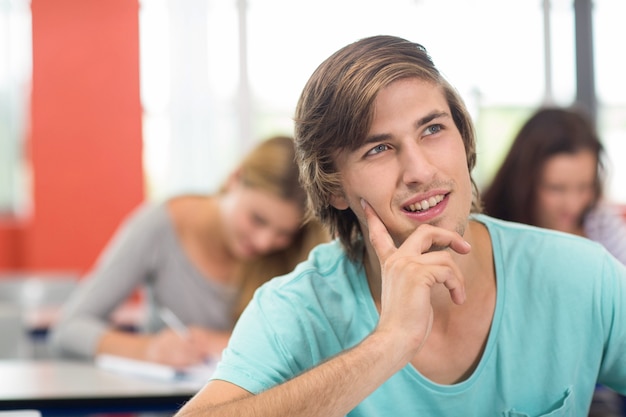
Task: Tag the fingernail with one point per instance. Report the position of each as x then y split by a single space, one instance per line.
363 203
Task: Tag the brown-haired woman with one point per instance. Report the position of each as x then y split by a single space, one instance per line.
553 177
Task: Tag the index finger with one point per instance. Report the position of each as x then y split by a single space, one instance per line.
429 238
379 236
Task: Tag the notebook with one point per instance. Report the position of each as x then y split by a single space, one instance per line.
197 373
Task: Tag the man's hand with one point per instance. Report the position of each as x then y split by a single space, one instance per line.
410 272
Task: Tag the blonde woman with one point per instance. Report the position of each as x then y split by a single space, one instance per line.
198 256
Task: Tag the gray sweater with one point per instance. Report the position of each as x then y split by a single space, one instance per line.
144 253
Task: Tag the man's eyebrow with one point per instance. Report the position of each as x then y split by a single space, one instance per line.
435 114
430 117
375 138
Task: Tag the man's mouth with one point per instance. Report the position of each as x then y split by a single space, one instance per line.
425 204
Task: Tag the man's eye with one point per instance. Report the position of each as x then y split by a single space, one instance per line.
377 149
432 129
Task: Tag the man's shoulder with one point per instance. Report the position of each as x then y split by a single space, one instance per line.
520 243
515 231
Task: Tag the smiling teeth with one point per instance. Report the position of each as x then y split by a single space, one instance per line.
425 204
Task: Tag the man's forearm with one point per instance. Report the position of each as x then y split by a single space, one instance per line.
331 389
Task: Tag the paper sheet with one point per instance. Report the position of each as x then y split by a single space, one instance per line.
196 374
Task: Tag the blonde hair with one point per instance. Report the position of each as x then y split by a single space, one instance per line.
271 167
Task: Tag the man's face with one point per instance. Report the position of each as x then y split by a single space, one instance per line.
412 167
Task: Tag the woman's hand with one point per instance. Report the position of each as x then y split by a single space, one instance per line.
170 348
210 342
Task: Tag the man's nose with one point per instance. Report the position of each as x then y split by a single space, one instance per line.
416 164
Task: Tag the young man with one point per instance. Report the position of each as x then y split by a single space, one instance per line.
423 307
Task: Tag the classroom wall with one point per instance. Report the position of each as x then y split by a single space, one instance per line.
85 144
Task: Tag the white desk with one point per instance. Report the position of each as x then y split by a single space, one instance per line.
58 388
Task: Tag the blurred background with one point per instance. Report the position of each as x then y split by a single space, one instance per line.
105 104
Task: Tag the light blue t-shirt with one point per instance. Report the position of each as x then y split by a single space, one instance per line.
559 326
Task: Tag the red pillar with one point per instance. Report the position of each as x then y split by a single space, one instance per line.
85 145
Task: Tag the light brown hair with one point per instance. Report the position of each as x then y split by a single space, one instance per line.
335 111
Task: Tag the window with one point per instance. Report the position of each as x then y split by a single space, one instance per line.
609 29
235 70
15 76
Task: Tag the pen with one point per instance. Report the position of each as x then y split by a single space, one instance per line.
173 322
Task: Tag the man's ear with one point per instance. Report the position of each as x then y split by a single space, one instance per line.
339 202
